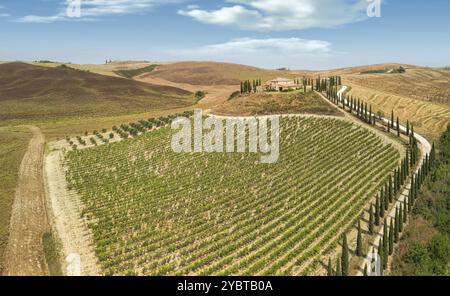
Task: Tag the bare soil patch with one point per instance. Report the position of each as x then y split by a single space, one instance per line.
24 254
72 230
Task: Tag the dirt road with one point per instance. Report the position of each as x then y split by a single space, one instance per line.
24 252
425 147
66 207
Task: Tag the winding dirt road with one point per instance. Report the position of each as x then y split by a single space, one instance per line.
25 253
425 148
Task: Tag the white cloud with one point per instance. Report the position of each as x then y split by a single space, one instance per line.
269 53
4 14
92 9
277 15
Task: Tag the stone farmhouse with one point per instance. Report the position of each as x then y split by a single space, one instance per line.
281 84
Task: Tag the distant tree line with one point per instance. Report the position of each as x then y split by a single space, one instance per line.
248 86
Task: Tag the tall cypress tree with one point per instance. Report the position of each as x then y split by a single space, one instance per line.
410 200
345 256
371 220
377 211
365 270
359 251
382 201
391 237
398 127
385 241
396 226
390 190
400 219
386 197
392 119
381 252
405 211
338 267
330 268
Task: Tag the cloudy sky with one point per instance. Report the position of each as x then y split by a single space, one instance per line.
299 34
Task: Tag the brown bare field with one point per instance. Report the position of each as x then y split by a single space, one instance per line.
30 92
211 73
102 69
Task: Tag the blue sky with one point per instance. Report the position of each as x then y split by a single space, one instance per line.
299 34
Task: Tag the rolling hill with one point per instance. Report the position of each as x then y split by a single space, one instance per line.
29 92
212 73
420 95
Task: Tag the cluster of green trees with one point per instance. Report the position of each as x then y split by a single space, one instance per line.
392 232
432 257
248 86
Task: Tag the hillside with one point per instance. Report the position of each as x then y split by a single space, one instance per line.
109 69
212 73
156 212
276 103
420 95
42 93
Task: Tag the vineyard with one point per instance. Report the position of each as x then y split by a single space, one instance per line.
155 212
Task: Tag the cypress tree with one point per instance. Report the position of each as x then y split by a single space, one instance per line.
381 252
410 200
405 210
371 220
365 270
390 190
400 219
396 226
330 268
392 119
395 181
345 256
391 237
382 201
407 127
398 127
386 198
365 112
385 241
338 267
359 251
377 211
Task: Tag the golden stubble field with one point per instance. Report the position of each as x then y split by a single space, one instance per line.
421 95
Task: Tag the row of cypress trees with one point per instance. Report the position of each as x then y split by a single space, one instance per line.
393 227
391 233
389 190
249 87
